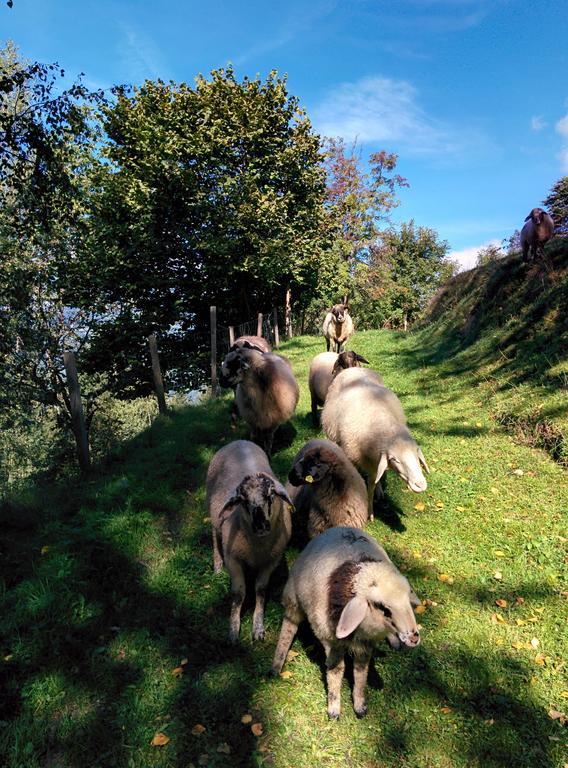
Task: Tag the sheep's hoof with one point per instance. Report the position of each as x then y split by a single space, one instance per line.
333 715
258 634
361 712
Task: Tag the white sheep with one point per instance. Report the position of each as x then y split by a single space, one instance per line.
353 597
538 229
250 514
325 488
366 419
323 369
267 392
337 327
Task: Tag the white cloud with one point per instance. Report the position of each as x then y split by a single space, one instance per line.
141 56
562 129
467 257
537 123
380 109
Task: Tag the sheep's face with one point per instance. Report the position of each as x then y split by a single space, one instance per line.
260 500
406 458
339 311
312 467
382 607
347 360
232 368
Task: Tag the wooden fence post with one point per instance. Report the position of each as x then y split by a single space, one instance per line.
231 335
276 332
259 325
213 314
288 314
77 415
157 374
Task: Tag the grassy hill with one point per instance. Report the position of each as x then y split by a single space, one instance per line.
114 626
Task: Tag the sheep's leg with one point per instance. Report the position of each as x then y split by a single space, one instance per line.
260 591
287 635
238 588
314 410
360 672
327 343
371 485
335 664
217 552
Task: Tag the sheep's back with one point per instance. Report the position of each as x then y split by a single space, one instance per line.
320 376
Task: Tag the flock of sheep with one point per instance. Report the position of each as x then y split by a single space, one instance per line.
343 582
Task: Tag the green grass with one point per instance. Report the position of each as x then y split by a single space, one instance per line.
108 588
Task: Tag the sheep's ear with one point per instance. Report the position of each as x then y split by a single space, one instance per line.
381 469
351 616
280 491
236 498
414 599
360 358
247 345
423 460
529 216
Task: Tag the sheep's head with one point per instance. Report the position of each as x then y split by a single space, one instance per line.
347 360
257 496
536 216
312 466
379 603
236 363
405 457
339 311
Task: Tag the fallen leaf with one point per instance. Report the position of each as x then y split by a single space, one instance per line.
440 504
494 490
225 749
286 675
539 610
500 553
206 519
246 719
518 645
460 509
520 622
564 694
519 600
501 602
420 609
292 655
160 739
45 550
198 729
177 672
445 577
539 659
445 710
498 575
534 642
9 657
417 555
257 729
478 424
554 714
420 506
497 618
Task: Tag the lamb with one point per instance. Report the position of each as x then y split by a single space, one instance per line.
267 392
329 491
366 419
353 597
323 369
538 230
337 327
250 513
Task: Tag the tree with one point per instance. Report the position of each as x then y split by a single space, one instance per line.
405 269
46 141
210 195
557 204
491 252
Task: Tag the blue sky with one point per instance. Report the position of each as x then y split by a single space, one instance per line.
471 94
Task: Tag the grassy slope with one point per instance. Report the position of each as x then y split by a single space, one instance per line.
109 588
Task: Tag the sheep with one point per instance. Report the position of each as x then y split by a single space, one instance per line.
250 514
267 392
366 419
323 369
538 229
353 596
252 342
337 326
329 491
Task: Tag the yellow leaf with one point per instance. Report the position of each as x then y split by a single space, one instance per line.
440 504
292 655
446 578
420 506
500 553
539 659
519 600
460 509
309 479
417 555
518 645
257 729
478 424
497 618
501 602
246 719
494 491
206 519
498 575
539 610
445 710
177 672
520 622
183 662
198 729
564 694
420 609
160 739
9 657
44 550
286 675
